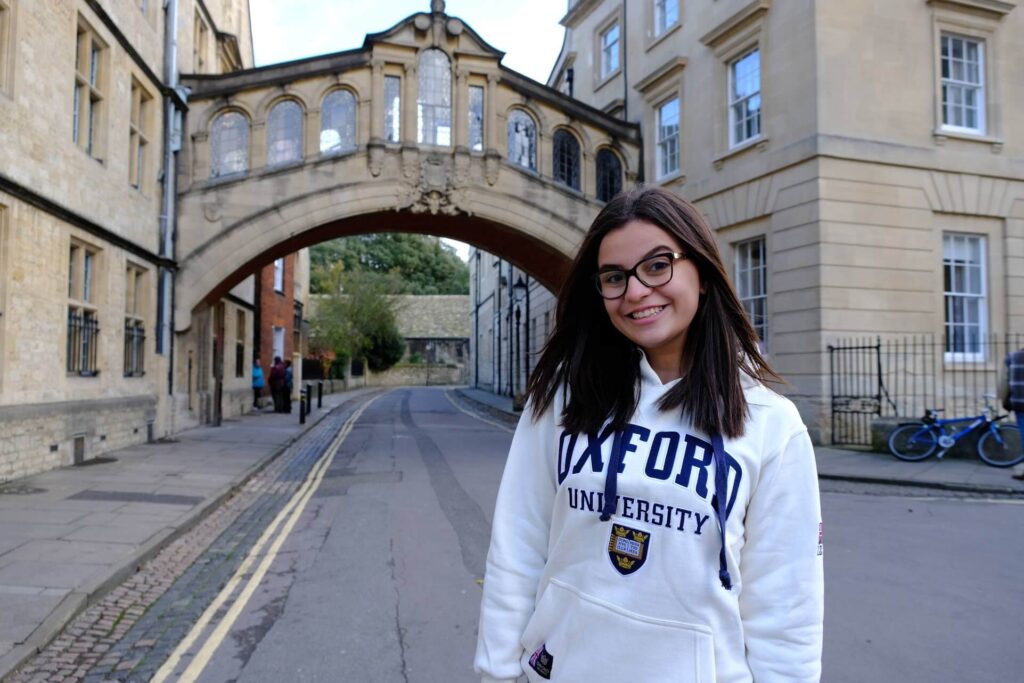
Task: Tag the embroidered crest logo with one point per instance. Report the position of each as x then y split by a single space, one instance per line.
541 661
627 548
821 535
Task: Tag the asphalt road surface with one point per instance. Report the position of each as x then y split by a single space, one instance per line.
373 573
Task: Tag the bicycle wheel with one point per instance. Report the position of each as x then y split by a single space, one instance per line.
912 442
1004 451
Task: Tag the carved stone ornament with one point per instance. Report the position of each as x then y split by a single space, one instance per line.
435 192
211 212
492 164
375 158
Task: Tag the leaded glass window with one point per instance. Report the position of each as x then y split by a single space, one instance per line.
522 140
566 158
229 145
745 98
434 103
609 175
284 133
338 123
476 118
963 83
393 108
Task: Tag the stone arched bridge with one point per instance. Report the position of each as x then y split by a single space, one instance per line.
421 129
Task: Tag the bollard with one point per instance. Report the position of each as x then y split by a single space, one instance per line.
309 399
320 394
302 410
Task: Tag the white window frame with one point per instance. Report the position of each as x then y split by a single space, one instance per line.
611 52
277 340
747 273
734 141
664 142
662 14
279 275
950 83
954 246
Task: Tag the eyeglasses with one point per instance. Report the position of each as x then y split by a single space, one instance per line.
653 271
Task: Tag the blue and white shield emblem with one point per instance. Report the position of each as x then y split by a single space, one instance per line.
627 548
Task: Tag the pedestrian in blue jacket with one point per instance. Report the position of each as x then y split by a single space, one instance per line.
257 382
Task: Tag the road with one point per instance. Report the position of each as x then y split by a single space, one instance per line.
360 560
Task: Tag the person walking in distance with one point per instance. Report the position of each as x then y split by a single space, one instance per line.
277 384
658 518
258 382
1011 391
289 379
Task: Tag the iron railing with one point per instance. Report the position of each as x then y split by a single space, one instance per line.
82 342
902 376
134 349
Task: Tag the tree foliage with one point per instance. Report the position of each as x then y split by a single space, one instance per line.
421 264
355 318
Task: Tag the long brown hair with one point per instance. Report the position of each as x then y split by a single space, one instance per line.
599 368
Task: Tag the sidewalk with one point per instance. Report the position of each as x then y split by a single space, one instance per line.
951 474
68 536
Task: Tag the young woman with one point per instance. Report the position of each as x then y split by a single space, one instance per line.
658 519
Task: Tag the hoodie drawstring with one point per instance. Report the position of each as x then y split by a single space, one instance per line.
721 505
719 500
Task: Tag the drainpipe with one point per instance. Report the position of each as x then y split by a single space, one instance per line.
168 218
476 324
625 72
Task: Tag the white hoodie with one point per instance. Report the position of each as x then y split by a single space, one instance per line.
638 599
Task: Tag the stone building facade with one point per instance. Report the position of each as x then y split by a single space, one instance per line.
87 107
861 163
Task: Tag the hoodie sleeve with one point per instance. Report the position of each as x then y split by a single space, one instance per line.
782 599
519 547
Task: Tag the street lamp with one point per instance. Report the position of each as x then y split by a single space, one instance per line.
519 292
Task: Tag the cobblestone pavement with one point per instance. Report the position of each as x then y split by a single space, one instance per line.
130 632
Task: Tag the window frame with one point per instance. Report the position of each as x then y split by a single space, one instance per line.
981 87
7 41
279 268
662 28
82 352
604 153
200 43
659 141
477 120
135 309
744 269
436 112
140 117
731 103
565 170
393 110
606 68
949 296
285 135
89 101
518 112
215 172
343 146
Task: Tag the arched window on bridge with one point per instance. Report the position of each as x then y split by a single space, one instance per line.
229 144
522 140
284 133
338 123
434 102
609 175
566 159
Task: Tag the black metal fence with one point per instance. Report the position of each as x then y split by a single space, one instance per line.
83 335
901 377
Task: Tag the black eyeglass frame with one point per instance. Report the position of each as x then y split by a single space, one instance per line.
634 272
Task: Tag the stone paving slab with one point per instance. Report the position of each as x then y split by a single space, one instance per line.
163 490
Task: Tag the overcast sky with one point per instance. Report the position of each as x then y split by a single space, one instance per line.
527 31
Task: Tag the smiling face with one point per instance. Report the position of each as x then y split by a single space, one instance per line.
654 318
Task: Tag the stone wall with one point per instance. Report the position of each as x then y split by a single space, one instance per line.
42 436
417 375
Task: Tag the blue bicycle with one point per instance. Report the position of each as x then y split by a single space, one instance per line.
999 445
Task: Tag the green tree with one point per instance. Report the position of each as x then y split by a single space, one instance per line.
422 264
355 318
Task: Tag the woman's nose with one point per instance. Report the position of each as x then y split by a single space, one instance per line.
636 289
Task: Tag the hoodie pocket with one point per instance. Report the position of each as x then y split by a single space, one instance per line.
574 637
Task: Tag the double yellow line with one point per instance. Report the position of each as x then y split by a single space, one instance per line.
284 521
